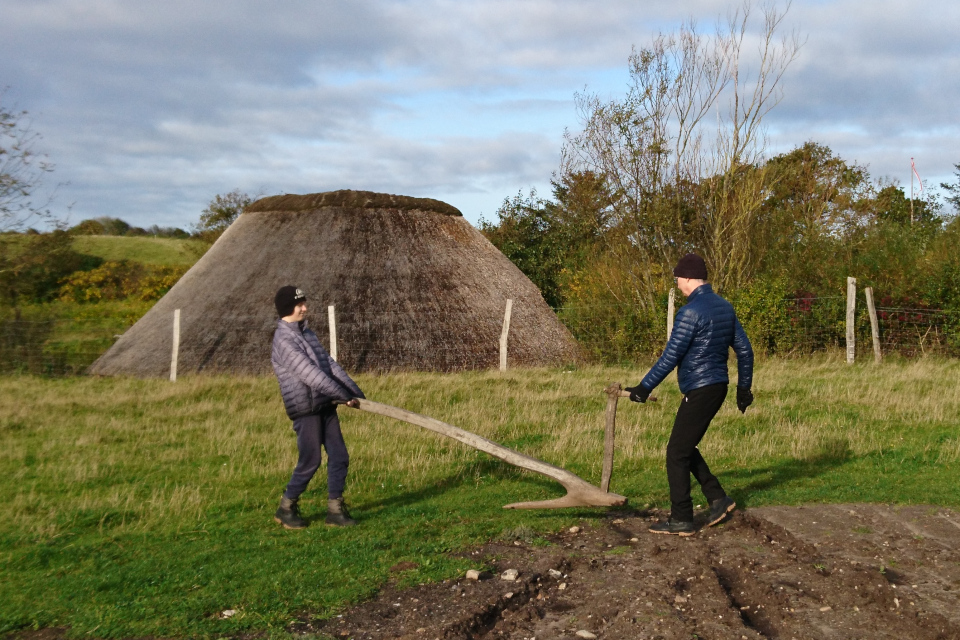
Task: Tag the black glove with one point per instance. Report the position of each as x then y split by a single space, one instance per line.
744 399
638 393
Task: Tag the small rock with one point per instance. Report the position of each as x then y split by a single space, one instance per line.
228 613
554 573
508 595
826 608
583 633
634 539
679 599
574 529
563 585
510 575
618 521
421 629
473 574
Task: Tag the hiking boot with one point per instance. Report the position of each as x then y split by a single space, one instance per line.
674 527
288 514
719 509
337 514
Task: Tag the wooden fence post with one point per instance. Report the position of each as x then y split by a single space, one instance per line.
671 310
331 316
874 325
176 346
504 334
851 317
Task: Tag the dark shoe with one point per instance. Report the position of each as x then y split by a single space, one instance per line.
674 527
337 514
719 509
288 514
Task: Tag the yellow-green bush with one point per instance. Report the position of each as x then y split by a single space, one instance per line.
119 281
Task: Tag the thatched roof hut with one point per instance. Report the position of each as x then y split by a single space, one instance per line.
414 286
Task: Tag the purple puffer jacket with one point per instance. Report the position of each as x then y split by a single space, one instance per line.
309 378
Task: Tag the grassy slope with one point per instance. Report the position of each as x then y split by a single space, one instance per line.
157 251
80 333
145 249
134 508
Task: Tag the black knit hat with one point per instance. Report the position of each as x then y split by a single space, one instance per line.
691 266
286 299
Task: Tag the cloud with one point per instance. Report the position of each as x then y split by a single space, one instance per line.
148 110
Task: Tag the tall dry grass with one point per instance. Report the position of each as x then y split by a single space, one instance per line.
140 454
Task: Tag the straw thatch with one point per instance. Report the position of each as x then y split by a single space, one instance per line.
414 285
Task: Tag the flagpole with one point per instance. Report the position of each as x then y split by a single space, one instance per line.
911 191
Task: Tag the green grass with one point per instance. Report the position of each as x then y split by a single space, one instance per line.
145 249
59 338
142 508
158 251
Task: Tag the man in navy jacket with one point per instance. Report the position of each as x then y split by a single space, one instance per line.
311 382
703 332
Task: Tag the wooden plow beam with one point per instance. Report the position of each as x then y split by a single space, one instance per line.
580 493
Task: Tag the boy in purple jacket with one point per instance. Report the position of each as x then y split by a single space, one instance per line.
311 382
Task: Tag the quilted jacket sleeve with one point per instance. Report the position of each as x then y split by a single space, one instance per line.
300 366
344 379
684 328
744 351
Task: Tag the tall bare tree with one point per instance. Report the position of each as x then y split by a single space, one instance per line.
682 150
21 171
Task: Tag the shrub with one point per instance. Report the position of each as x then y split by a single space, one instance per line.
120 280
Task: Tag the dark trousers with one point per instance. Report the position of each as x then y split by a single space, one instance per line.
314 431
683 458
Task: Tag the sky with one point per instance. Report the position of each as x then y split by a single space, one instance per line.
148 110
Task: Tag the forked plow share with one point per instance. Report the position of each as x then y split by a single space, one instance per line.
580 493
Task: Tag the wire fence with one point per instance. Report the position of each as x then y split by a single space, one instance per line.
605 333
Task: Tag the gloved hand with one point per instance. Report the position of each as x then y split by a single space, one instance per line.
638 393
744 399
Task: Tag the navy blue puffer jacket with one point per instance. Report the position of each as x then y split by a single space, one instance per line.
703 332
309 378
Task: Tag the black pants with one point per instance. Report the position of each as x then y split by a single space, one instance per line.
313 431
683 458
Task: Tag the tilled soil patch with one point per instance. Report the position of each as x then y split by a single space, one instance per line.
833 571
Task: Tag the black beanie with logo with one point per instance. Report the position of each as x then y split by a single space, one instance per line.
286 299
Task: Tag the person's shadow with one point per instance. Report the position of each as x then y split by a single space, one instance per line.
833 453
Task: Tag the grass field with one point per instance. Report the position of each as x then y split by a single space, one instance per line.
143 508
60 337
157 251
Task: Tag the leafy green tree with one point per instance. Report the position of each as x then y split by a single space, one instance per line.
953 189
525 231
114 226
550 241
32 270
892 205
220 214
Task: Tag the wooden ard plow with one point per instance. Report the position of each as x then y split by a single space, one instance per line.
580 493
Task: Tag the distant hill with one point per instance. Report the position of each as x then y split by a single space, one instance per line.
153 251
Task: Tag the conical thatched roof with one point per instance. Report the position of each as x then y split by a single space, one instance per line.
414 285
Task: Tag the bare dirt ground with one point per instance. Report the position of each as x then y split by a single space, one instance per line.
826 571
